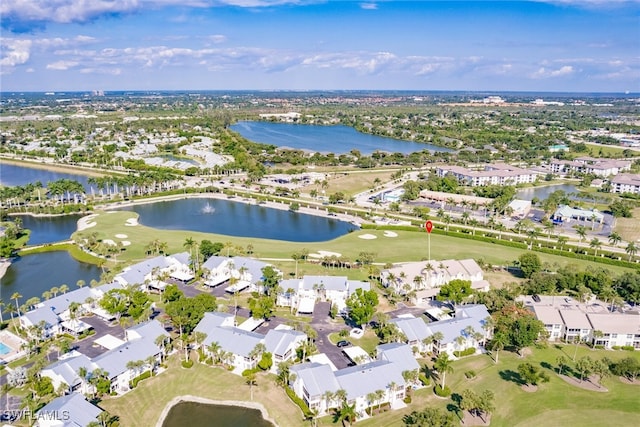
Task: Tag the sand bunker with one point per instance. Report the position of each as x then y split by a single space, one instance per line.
86 222
131 222
126 243
109 242
322 254
368 237
390 234
121 236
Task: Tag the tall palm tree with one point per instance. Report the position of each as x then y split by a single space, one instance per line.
16 296
497 343
615 238
631 249
443 365
581 231
562 240
595 244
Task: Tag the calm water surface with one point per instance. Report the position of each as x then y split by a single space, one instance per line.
334 139
239 219
12 175
31 275
543 192
192 414
49 229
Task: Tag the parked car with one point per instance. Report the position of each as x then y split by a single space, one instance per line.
343 343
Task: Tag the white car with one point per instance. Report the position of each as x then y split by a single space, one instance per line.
356 333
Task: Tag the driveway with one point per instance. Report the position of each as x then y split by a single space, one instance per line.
102 328
324 325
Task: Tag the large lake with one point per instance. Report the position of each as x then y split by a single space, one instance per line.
12 175
194 414
239 219
334 139
31 275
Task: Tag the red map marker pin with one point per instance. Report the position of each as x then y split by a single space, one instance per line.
429 226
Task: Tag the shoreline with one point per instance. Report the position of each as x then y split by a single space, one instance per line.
4 266
190 398
354 220
53 167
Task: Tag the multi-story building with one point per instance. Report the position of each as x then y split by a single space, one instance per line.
590 165
493 174
626 183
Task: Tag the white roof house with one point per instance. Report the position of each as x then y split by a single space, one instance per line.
466 317
140 346
314 380
305 291
428 276
67 411
219 328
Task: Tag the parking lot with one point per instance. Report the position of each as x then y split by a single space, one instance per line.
102 328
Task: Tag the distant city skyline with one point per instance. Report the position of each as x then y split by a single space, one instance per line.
550 46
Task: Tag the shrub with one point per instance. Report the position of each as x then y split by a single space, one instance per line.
470 374
599 347
442 392
424 380
616 347
187 364
343 333
407 399
303 406
136 380
466 352
628 347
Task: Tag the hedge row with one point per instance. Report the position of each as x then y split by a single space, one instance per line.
136 380
466 352
303 406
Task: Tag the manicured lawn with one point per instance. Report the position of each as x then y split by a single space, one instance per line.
408 246
353 183
629 228
152 395
556 403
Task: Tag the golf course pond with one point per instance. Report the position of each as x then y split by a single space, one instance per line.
209 215
194 414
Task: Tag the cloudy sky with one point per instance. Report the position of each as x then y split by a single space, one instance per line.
553 45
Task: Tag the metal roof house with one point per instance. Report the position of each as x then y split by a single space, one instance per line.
317 384
67 411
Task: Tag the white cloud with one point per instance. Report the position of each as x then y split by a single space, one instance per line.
217 38
61 65
369 6
67 11
543 72
109 71
14 52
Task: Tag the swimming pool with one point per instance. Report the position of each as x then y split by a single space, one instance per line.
4 349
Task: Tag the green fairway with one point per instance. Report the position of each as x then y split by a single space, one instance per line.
407 246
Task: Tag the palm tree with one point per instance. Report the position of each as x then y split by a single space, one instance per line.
562 362
443 366
347 413
631 249
497 343
562 240
615 238
64 288
581 231
595 245
80 283
16 296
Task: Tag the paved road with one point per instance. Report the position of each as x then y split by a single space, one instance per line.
324 325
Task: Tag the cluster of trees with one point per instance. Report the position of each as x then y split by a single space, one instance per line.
128 304
597 281
515 327
361 306
185 312
263 304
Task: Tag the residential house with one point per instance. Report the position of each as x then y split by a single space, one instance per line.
54 317
152 272
302 293
140 347
626 183
590 166
242 271
317 383
567 319
67 411
493 174
426 277
468 328
239 344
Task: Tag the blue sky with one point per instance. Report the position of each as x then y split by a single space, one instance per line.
563 45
